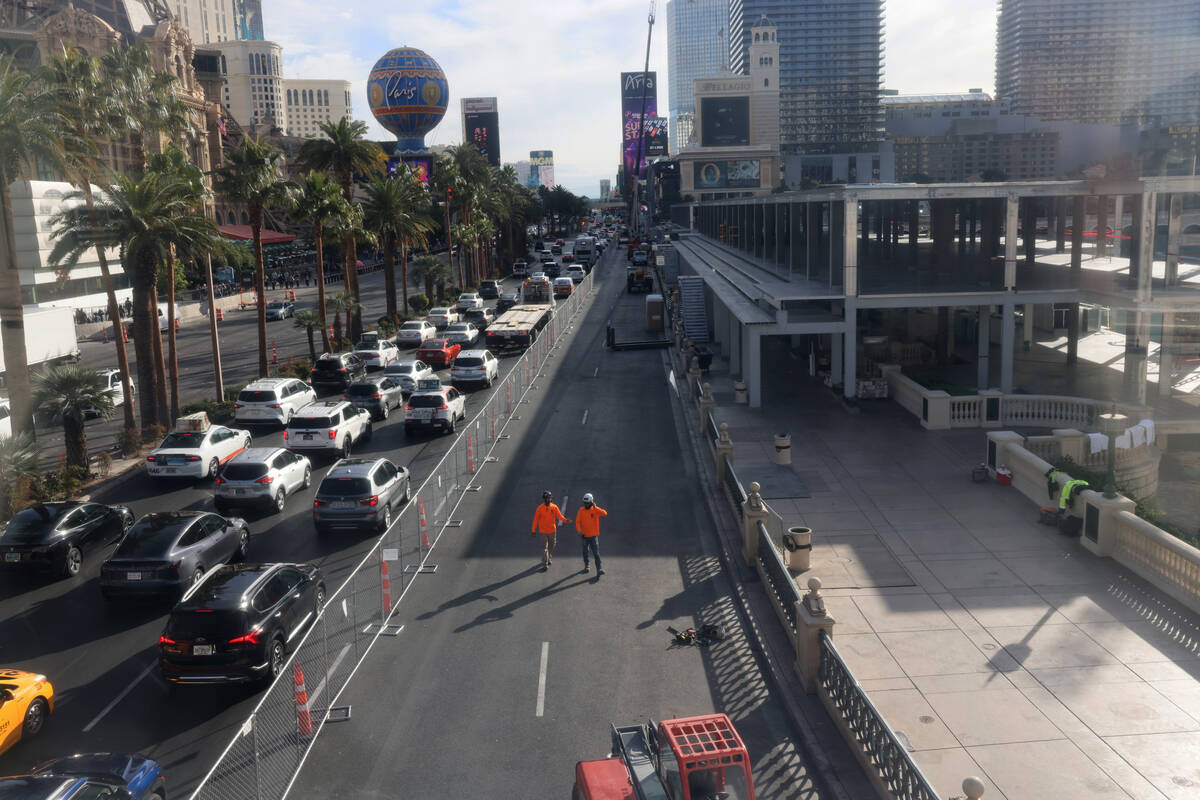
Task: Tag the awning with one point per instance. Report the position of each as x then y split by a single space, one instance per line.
242 233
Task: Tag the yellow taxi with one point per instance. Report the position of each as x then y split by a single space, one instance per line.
26 699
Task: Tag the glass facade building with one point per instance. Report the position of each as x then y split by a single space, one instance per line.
1109 61
831 68
697 47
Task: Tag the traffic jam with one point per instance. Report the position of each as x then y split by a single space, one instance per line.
213 560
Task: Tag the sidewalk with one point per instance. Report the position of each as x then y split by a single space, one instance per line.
993 646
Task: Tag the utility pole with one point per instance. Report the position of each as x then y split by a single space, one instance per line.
637 206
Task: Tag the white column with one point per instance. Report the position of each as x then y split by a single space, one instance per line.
753 373
1011 208
1008 335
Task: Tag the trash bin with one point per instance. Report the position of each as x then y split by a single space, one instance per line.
704 358
797 548
783 449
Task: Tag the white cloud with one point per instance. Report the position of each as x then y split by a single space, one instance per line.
936 46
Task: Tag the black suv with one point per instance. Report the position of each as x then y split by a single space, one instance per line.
334 372
238 624
489 290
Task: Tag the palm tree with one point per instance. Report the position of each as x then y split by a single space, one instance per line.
147 102
342 302
475 173
68 394
252 177
344 151
142 217
18 463
88 110
348 227
391 211
432 271
319 202
306 321
32 129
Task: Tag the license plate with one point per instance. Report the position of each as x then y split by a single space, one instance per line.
308 437
202 649
170 469
239 491
133 576
341 504
426 421
12 556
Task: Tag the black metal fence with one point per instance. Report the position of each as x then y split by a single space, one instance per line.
734 487
778 580
714 433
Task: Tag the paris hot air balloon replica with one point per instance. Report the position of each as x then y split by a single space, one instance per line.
408 93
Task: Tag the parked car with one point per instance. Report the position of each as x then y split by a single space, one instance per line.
438 352
272 400
475 366
280 309
462 333
261 477
166 552
238 625
432 408
441 317
26 700
83 776
377 354
468 300
196 453
56 536
480 318
576 273
520 268
327 426
507 301
378 395
358 493
489 290
408 373
413 332
333 372
563 287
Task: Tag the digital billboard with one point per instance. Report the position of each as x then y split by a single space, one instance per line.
744 174
481 126
421 166
634 87
724 121
656 136
541 168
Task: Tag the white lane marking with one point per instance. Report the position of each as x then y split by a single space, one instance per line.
312 698
541 701
597 372
121 696
585 413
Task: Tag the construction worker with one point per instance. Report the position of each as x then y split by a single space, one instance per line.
546 520
587 522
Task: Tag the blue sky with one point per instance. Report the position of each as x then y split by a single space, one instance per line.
555 66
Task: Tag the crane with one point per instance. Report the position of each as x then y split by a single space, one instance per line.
635 212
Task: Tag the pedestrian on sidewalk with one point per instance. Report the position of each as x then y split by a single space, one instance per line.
546 520
587 523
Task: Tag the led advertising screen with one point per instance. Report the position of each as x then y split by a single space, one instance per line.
635 85
656 136
481 126
724 121
541 166
745 174
421 166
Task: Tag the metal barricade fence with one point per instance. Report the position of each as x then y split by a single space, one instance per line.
264 756
734 486
779 581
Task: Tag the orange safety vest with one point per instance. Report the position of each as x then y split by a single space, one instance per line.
544 518
587 520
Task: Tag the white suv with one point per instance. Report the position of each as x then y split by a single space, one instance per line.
468 300
434 406
415 332
263 477
441 317
328 426
272 400
475 366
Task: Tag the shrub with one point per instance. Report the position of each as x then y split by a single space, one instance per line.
130 442
104 463
418 303
231 392
153 434
218 412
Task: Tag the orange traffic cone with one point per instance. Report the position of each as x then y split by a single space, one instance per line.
303 716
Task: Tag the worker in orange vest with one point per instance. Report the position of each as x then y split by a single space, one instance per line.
587 522
546 520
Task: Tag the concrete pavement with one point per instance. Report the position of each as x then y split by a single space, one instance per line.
992 645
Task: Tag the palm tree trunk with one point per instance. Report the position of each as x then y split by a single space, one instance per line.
312 347
404 273
160 365
114 312
172 349
145 327
75 439
260 287
318 239
337 329
353 315
12 321
389 275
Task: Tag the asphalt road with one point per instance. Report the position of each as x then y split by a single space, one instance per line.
102 661
505 676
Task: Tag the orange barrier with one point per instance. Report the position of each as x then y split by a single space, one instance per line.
424 525
274 354
220 315
303 715
470 453
386 582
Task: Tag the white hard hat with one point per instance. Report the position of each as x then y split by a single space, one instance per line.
587 498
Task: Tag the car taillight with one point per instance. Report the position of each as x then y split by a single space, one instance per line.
193 458
373 500
285 436
219 480
163 639
266 479
408 408
376 396
333 434
151 458
341 369
273 405
239 405
249 638
444 406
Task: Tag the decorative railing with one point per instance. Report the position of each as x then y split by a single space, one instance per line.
1046 448
1167 562
779 582
965 413
878 742
734 486
713 432
906 392
1046 411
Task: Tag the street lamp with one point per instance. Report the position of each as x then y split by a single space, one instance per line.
1112 425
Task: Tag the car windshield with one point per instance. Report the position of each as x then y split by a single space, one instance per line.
328 365
183 440
211 624
152 535
345 487
434 344
243 471
311 422
256 396
276 305
400 369
457 327
427 401
30 525
363 389
468 362
411 326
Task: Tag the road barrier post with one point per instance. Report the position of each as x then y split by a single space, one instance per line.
424 524
508 396
220 315
274 354
303 715
470 454
386 583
